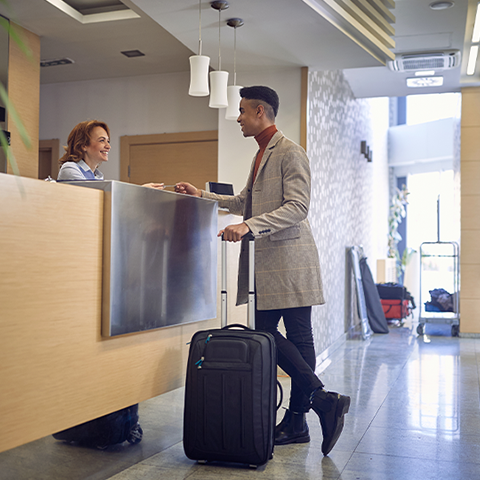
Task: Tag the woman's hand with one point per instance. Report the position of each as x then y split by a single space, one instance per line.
158 186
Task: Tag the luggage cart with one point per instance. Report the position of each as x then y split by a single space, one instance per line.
439 268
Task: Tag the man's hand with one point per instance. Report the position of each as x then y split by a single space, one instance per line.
234 233
187 188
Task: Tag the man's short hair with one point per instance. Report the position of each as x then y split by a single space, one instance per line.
263 94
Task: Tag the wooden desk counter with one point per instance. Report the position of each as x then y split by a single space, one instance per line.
56 370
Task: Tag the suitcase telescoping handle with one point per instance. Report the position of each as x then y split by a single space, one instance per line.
251 282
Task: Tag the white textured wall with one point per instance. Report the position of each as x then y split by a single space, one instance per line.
349 196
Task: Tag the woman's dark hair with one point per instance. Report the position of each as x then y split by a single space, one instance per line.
80 137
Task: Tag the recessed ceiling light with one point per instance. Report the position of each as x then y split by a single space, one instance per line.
476 27
122 14
424 73
133 53
441 5
425 81
472 60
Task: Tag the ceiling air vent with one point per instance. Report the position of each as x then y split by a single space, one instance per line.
57 61
425 61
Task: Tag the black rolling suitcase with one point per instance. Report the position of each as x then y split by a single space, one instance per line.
112 429
230 390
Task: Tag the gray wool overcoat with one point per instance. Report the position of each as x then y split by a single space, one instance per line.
275 208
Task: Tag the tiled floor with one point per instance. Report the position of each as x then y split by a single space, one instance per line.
415 414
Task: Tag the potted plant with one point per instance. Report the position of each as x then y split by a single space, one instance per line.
396 213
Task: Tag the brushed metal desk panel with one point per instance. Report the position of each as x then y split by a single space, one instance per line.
160 258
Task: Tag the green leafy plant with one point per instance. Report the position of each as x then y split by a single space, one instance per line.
396 214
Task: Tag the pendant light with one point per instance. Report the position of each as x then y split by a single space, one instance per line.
199 65
219 79
233 91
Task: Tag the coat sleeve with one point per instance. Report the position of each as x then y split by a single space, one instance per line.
294 189
234 204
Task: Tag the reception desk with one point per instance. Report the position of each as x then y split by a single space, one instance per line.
159 258
56 368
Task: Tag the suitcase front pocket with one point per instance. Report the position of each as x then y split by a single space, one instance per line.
226 350
225 410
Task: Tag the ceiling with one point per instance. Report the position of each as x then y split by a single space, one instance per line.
276 34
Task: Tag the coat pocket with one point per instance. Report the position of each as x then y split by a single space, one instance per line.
287 234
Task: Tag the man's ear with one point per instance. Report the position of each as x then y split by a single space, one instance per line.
260 110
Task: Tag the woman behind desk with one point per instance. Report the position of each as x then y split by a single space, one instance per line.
88 146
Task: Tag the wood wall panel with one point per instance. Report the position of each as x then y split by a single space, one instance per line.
56 368
24 92
304 109
470 208
469 309
470 178
471 107
470 211
470 147
470 253
470 281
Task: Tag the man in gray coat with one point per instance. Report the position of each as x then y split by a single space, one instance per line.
274 205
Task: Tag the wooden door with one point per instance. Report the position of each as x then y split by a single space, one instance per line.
48 155
170 158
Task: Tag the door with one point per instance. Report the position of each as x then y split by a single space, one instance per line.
170 158
48 155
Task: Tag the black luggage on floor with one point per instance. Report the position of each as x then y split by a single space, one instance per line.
111 429
230 392
394 291
376 317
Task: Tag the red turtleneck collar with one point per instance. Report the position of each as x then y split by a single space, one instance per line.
265 136
262 139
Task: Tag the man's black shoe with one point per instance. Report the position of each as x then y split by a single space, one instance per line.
292 429
331 408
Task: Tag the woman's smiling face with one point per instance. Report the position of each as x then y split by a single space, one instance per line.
97 150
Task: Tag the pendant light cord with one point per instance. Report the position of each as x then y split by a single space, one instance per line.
219 56
199 27
235 55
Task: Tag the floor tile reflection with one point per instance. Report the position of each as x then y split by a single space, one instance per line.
415 414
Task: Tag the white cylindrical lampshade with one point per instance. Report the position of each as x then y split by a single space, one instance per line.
218 94
199 75
233 95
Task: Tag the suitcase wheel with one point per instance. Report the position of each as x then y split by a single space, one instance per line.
455 330
421 328
101 447
136 434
